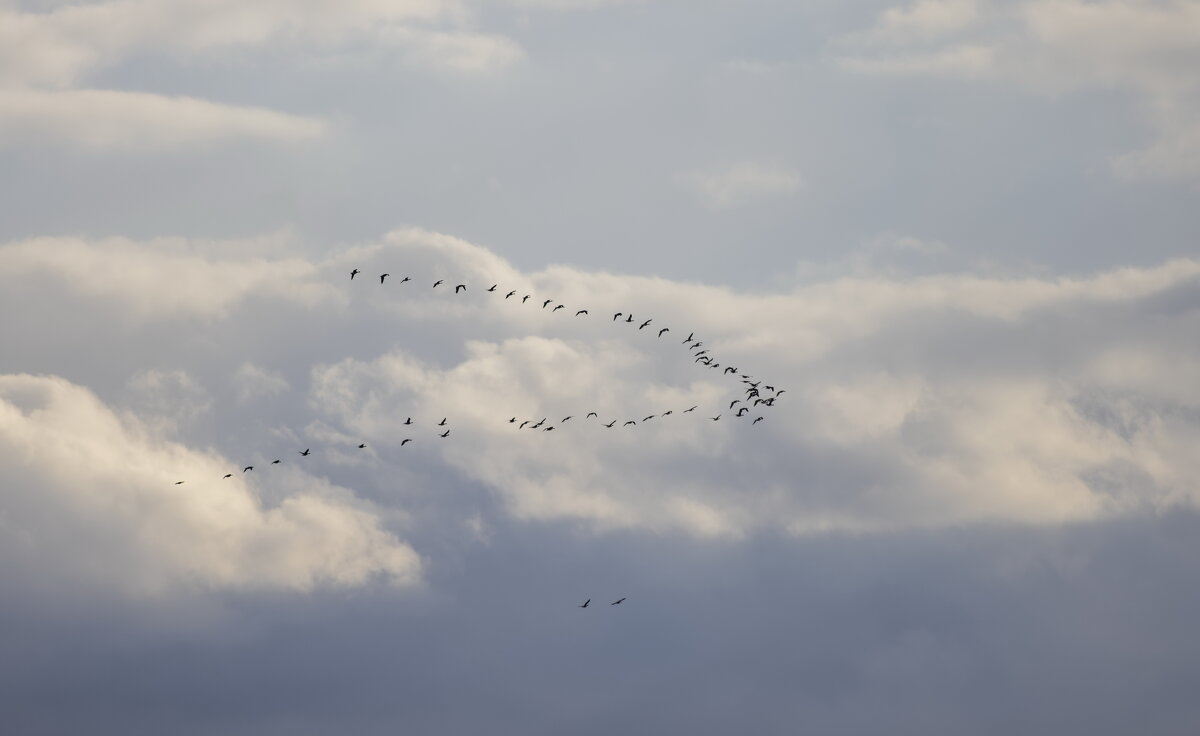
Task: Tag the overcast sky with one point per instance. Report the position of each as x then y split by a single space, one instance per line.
961 236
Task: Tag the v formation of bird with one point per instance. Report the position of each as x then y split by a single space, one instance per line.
757 393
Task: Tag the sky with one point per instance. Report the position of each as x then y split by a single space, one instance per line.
956 237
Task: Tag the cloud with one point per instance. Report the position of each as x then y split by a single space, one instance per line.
910 402
742 182
1146 48
91 495
105 119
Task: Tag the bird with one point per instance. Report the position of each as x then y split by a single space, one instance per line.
582 311
179 482
227 475
618 314
626 424
648 418
744 410
557 308
616 602
585 603
702 352
685 411
668 413
610 424
493 287
644 324
525 298
276 462
629 318
769 388
405 279
716 417
665 329
780 391
248 467
512 421
405 441
362 446
566 418
591 414
354 273
730 368
547 429
439 281
383 276
462 287
523 424
756 421
445 434
733 402
443 422
690 336
546 302
306 452
408 421
509 294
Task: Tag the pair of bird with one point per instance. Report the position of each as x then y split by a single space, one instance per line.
383 277
589 601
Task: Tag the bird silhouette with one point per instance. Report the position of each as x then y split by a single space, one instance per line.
756 421
557 308
460 287
644 324
227 475
743 411
685 411
616 602
512 421
665 329
248 467
629 318
668 413
405 279
354 273
306 452
443 422
509 294
525 298
649 418
383 276
493 287
610 424
626 424
408 421
582 311
405 441
733 402
523 424
780 392
730 369
276 462
363 446
566 418
689 337
615 316
179 482
547 429
439 281
445 434
585 603
591 414
716 417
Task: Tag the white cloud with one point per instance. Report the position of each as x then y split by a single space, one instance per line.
1148 48
107 119
742 182
254 381
90 495
909 402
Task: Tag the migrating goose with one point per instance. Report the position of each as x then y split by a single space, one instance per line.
383 276
445 434
525 298
616 602
582 311
443 422
690 336
306 452
179 482
227 475
439 281
408 421
644 324
610 424
248 467
566 418
276 462
626 424
756 421
522 426
591 414
649 417
405 441
665 329
685 411
354 273
629 318
493 287
615 316
363 446
585 603
557 308
460 287
509 294
405 279
546 303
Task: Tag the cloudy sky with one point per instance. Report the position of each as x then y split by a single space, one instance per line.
960 235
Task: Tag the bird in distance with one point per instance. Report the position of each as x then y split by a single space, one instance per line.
305 453
460 287
363 446
383 276
493 287
445 434
616 602
585 603
439 281
248 467
665 329
354 273
644 324
405 441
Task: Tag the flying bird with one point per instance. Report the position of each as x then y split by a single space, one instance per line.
780 392
462 287
383 276
439 281
405 279
591 414
493 287
616 602
756 421
557 308
354 273
585 603
408 421
618 314
512 421
644 324
509 294
629 318
665 329
443 422
733 402
716 417
729 369
547 429
689 337
523 424
546 302
405 441
566 418
685 411
610 424
744 410
227 475
667 413
626 424
276 462
649 418
248 467
179 482
582 311
362 446
525 298
445 434
306 452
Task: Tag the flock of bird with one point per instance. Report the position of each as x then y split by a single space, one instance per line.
757 394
